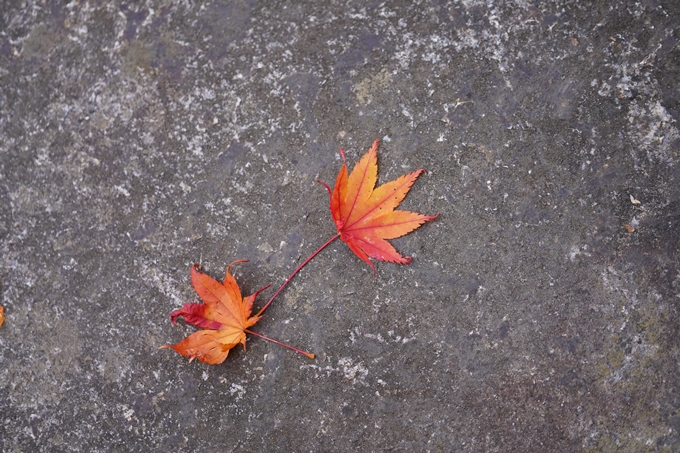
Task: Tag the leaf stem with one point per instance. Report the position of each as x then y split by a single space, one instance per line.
296 271
308 354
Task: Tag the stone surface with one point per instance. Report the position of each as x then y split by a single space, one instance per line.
136 140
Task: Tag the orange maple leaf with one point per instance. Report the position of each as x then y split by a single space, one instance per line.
2 314
365 216
224 315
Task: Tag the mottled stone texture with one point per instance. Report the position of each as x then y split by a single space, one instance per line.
137 138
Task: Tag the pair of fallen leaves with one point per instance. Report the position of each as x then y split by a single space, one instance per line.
365 218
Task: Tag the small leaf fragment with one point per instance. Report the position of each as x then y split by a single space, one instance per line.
629 228
634 201
2 314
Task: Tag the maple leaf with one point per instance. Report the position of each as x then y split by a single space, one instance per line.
2 314
224 315
365 216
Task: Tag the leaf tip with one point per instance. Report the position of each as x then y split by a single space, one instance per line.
342 153
234 262
174 315
330 192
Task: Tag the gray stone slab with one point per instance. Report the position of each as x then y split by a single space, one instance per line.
540 312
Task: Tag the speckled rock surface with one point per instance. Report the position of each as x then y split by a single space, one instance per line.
540 312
